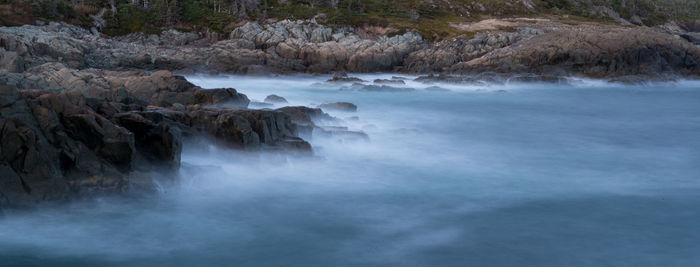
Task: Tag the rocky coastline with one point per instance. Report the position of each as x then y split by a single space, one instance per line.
527 46
84 115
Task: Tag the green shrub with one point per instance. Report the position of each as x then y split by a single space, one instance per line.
54 10
130 18
292 11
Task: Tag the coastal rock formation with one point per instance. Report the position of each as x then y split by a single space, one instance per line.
531 46
443 55
302 46
313 122
593 53
161 88
91 132
283 46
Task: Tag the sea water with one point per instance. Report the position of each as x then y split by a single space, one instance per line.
583 173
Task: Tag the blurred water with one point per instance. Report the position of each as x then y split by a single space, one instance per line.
586 174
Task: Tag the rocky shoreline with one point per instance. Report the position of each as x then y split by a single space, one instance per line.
82 115
67 133
527 46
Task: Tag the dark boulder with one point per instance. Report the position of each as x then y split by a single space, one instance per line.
342 77
275 99
221 96
159 143
392 81
340 106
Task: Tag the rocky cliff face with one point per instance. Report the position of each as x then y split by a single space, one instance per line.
66 133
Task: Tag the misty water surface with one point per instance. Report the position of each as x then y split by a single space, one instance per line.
587 174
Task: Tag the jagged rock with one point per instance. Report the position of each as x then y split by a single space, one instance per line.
377 88
392 81
340 106
80 137
342 77
538 79
54 146
313 122
444 54
245 129
275 99
306 115
158 142
221 96
442 78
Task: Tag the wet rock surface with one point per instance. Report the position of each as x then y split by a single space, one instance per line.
313 122
64 136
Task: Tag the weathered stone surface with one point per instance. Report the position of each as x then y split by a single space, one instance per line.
593 53
79 137
221 96
443 55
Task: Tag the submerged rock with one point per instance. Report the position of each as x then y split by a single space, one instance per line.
342 77
377 88
437 89
275 99
443 78
340 106
392 81
256 104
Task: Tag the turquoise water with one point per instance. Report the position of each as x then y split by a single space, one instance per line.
585 174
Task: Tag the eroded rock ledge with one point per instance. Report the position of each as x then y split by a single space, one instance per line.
68 134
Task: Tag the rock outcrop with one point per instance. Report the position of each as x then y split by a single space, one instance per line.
67 133
283 46
443 55
592 53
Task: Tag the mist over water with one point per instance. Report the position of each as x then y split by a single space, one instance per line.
579 174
